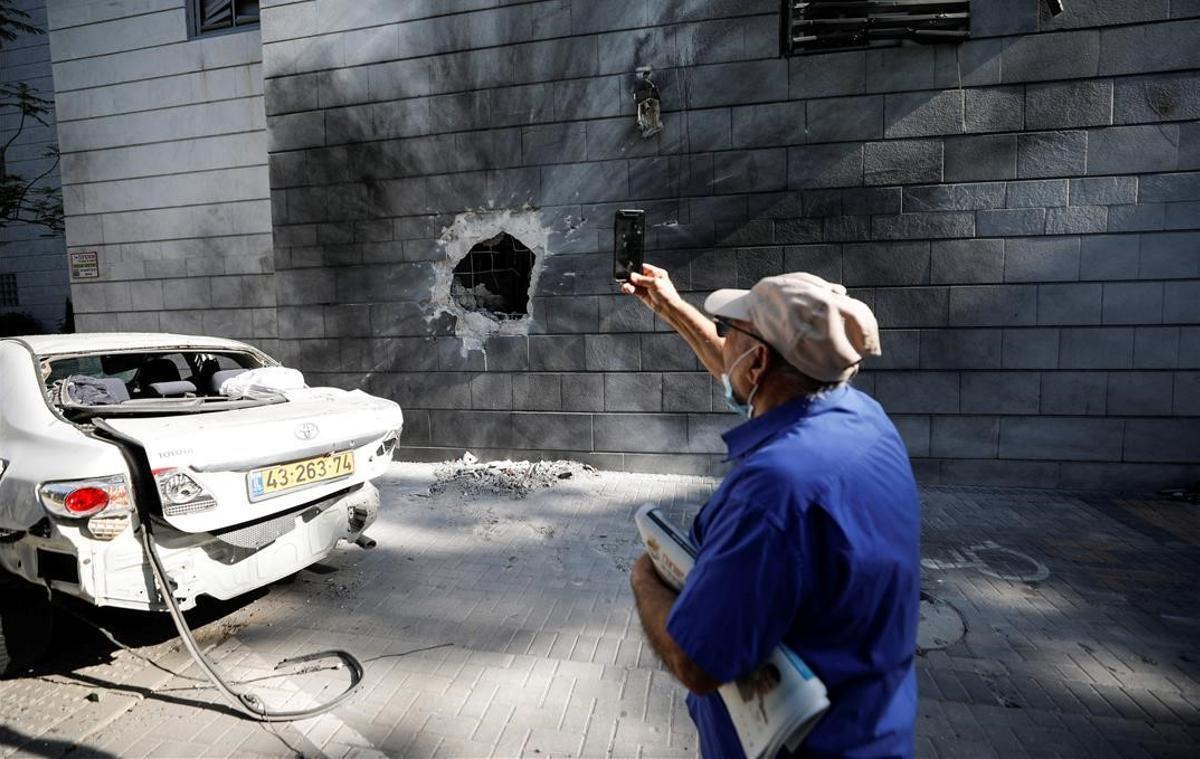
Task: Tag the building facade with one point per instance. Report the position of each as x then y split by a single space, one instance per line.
338 184
33 269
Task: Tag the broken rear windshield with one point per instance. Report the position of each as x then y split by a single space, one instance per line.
145 380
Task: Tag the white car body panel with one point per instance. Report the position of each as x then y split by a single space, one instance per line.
215 448
218 450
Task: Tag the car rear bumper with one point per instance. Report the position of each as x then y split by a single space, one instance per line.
225 565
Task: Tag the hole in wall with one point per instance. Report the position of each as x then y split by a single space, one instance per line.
493 260
494 278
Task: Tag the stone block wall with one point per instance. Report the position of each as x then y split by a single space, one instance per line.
29 252
164 150
1020 210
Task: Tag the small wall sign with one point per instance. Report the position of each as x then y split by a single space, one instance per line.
85 264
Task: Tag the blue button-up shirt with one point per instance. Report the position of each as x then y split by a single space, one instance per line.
812 540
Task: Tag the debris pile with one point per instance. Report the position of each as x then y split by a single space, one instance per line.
515 478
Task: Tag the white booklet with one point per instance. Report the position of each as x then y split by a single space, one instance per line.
779 703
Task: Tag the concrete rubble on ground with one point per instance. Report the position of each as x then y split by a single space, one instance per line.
516 478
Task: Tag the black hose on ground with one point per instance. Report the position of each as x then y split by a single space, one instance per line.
143 490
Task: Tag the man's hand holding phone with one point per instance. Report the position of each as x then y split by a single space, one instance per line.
654 288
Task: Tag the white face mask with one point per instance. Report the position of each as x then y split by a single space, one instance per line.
745 409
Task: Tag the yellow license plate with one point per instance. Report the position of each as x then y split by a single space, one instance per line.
275 480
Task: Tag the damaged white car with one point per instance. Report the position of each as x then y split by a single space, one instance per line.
245 475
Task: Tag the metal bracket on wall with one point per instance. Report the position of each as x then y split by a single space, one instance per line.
808 26
649 105
1056 6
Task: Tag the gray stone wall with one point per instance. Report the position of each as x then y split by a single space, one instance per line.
164 169
1020 211
36 258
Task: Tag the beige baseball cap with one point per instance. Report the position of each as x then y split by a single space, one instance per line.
812 323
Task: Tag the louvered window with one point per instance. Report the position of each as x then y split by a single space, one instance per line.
8 291
208 16
812 26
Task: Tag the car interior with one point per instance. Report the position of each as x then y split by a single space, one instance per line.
119 377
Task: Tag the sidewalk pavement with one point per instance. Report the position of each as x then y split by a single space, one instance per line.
1060 625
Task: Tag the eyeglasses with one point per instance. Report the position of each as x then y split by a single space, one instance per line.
723 328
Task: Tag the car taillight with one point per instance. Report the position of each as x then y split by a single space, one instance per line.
83 498
85 501
181 494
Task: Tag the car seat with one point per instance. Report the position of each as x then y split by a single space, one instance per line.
153 371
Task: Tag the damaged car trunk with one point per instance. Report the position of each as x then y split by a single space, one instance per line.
253 475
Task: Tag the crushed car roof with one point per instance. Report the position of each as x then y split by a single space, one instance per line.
44 345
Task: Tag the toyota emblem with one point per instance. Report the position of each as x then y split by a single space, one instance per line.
307 431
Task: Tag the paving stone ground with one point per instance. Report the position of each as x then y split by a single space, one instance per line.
493 626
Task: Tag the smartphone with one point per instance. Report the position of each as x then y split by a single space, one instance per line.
629 234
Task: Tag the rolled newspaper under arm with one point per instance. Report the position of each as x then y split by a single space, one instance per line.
777 704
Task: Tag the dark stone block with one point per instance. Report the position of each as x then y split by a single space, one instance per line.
868 201
823 260
506 354
966 261
1104 191
911 307
1170 255
993 109
1032 259
633 391
1030 348
667 352
1074 393
769 125
917 392
886 264
556 352
750 170
1133 303
920 114
1140 393
1061 105
954 197
827 75
1156 347
687 391
960 349
1052 154
902 162
1096 348
845 119
1069 304
761 81
982 157
1061 439
708 130
967 437
1128 149
993 305
583 392
612 352
1008 222
825 166
910 226
648 433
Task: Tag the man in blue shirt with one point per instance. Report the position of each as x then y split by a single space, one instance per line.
812 539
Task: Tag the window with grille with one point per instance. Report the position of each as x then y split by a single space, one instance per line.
816 26
210 16
494 278
8 291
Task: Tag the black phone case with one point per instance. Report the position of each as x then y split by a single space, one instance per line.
629 230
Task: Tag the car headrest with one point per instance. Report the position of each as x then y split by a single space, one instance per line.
174 389
219 378
157 370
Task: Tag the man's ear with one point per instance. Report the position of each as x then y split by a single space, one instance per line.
760 363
